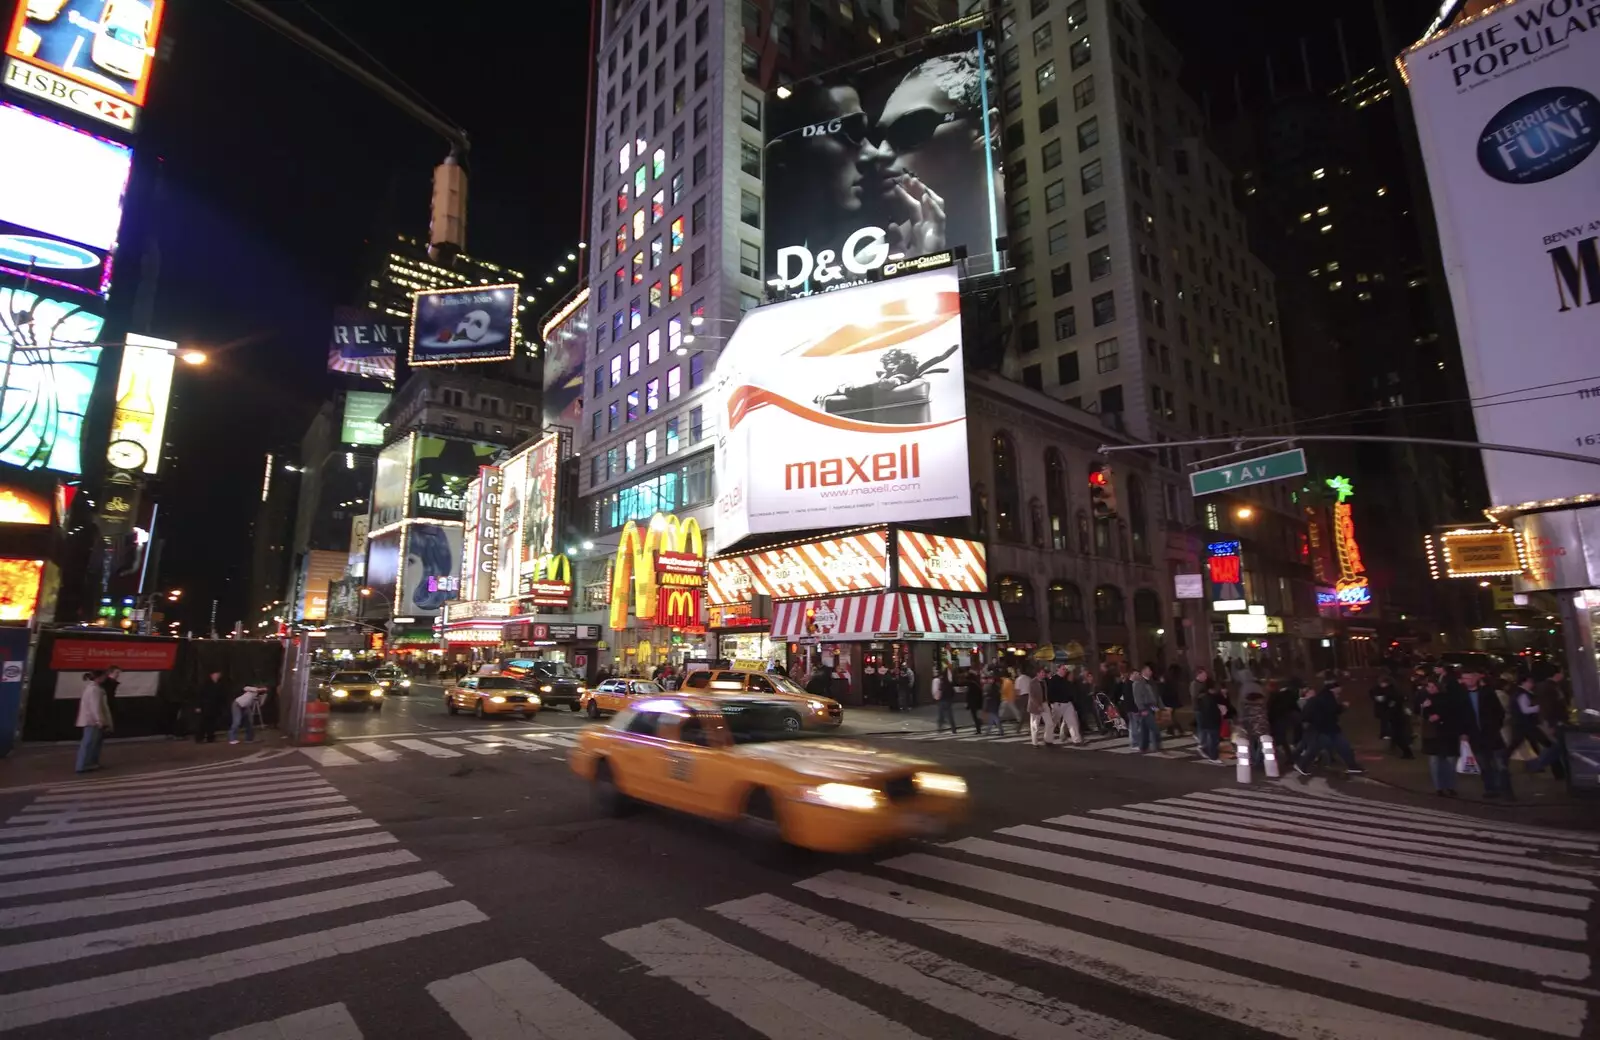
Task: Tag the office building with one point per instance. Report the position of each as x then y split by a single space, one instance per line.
464 401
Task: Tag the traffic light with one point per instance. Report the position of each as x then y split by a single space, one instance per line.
1102 491
447 231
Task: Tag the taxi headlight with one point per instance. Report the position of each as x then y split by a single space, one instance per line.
847 796
497 699
376 693
341 693
546 688
940 783
383 682
533 698
816 706
405 683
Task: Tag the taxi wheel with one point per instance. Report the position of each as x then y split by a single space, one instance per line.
759 822
450 705
478 711
607 799
791 722
576 707
594 710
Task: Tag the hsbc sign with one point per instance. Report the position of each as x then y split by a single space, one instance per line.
97 104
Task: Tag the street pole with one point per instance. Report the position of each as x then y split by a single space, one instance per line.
1238 442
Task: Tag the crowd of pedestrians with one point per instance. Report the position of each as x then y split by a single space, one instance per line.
1475 723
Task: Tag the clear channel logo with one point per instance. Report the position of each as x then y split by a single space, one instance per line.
1540 135
32 251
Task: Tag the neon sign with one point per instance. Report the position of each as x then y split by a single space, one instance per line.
637 565
1350 590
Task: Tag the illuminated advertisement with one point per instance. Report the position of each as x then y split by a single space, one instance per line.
636 576
50 365
144 387
319 569
1225 574
845 410
539 503
360 424
453 326
480 549
105 45
565 337
865 168
60 210
365 342
1351 590
19 588
20 505
441 469
1508 116
936 561
383 572
390 483
431 575
508 556
850 563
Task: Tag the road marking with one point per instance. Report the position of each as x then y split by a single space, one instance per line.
372 749
1540 960
329 1022
1494 1001
76 821
530 743
226 887
174 868
155 795
451 740
1235 998
431 750
487 748
68 840
181 929
1582 990
1317 793
329 756
82 857
1511 919
70 999
186 781
993 1004
1222 826
773 1001
513 999
559 739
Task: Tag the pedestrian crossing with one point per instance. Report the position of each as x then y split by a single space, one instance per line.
1184 748
1111 924
94 875
459 744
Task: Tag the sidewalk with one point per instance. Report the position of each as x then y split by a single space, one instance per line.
873 720
53 764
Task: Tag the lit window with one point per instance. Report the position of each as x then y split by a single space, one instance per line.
1322 211
652 353
631 453
655 252
658 162
1318 174
633 359
649 447
634 317
638 224
616 369
674 382
652 396
638 267
1305 218
674 333
639 183
658 206
677 234
1325 228
675 283
622 240
633 405
655 297
624 158
622 200
1336 284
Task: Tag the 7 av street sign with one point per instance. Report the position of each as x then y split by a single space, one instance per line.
1290 463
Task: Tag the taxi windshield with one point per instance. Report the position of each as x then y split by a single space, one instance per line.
353 677
497 682
785 684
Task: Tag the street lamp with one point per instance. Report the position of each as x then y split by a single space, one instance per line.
1244 512
193 357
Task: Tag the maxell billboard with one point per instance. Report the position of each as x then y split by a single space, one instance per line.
844 409
870 167
1508 119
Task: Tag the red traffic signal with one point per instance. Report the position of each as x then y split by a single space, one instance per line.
1102 491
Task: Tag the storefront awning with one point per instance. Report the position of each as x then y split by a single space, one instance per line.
890 615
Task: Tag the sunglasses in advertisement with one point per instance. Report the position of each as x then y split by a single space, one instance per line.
907 133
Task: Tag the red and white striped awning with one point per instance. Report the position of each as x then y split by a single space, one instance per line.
890 615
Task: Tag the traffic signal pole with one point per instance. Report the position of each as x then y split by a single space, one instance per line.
1238 443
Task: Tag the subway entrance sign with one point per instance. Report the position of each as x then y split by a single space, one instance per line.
1290 463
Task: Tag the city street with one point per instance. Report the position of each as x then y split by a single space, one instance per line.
462 886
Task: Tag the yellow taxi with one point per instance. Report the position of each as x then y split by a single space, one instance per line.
613 695
731 759
806 711
485 695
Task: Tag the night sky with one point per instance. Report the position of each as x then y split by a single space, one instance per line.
276 169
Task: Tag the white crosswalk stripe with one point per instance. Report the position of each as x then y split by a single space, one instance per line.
553 742
1185 748
1234 922
86 876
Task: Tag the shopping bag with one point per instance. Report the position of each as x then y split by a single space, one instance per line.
1468 762
1164 717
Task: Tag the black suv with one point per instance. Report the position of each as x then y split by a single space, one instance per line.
555 682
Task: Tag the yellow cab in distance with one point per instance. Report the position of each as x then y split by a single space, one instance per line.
613 695
730 759
807 711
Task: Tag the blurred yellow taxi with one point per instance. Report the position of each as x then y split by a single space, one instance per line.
732 759
613 695
807 711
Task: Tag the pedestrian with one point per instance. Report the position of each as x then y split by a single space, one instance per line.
243 710
1207 716
1525 718
991 701
1253 724
1147 708
113 679
1443 713
820 683
1172 698
1399 724
968 688
1383 694
208 707
1008 698
94 715
944 699
1322 712
1283 716
1063 714
1484 736
1030 695
1551 696
1110 687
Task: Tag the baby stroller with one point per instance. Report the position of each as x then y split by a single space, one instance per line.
1109 713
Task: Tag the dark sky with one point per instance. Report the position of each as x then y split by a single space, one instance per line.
276 168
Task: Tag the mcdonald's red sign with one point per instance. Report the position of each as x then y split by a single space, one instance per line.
678 607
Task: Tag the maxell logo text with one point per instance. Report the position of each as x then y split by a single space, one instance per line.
868 469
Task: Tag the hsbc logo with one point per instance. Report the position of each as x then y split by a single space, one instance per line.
96 104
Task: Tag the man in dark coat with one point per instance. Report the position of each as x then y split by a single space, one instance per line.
1483 733
1383 696
209 706
1323 732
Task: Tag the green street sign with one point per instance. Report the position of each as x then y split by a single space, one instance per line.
1290 463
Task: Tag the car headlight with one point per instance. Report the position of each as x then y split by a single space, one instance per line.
376 693
405 683
816 706
940 783
533 698
497 699
847 796
546 689
383 682
341 693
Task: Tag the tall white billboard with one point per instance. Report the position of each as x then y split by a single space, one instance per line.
1508 116
844 408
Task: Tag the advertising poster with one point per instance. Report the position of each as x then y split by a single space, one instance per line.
144 387
844 410
539 504
453 326
431 576
20 581
564 343
441 469
936 561
383 571
22 505
1508 114
359 525
513 492
879 165
105 46
361 411
365 342
389 491
49 374
60 211
321 568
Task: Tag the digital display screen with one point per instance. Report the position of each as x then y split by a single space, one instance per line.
106 44
361 411
70 186
50 360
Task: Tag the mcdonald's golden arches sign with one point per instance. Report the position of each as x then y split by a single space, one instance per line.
667 556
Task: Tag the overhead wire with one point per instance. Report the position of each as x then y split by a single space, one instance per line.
416 95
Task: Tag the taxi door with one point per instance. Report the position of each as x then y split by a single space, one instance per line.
693 766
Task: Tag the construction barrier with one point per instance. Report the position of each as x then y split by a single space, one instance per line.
315 728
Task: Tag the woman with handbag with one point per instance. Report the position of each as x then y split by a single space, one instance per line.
1444 714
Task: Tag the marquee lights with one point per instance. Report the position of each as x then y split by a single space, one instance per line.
1476 552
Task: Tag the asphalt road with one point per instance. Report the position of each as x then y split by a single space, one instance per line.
471 892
